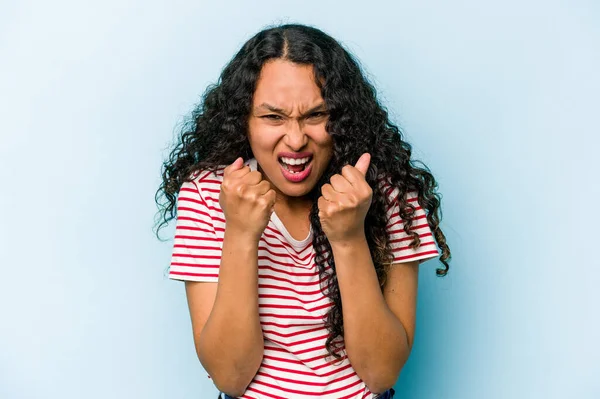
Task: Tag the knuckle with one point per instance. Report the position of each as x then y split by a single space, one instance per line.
324 211
264 201
256 175
227 186
252 195
241 189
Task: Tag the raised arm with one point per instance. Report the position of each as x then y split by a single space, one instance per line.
378 327
225 320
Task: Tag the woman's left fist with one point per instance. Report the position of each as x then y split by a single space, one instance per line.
344 202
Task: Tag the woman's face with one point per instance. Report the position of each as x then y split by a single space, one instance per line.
287 127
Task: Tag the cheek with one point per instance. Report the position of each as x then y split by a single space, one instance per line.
261 137
319 135
327 146
325 143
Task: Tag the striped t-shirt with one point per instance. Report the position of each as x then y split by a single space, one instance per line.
291 303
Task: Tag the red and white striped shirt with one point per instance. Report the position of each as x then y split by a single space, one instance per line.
291 303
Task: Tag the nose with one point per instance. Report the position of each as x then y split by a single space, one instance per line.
295 137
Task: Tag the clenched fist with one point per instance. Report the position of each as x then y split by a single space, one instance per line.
246 199
345 202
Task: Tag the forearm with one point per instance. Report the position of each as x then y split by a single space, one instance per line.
375 339
231 344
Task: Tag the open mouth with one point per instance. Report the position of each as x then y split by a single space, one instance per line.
296 169
295 165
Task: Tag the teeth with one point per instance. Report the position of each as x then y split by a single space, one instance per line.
295 161
288 169
286 166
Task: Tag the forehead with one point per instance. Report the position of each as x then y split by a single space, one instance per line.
286 83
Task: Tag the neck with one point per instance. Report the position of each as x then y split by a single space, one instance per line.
292 204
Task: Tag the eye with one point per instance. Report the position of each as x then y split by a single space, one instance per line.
315 115
272 117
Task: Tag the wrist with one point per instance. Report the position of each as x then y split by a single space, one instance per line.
241 238
349 242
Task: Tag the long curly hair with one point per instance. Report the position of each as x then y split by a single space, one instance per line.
216 135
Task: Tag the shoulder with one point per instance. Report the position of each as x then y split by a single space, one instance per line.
204 176
392 193
200 197
203 182
210 180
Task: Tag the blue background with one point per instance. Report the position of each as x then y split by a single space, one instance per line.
500 99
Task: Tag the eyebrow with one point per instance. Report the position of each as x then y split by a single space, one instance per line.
272 108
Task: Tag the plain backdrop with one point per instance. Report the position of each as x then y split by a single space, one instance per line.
498 98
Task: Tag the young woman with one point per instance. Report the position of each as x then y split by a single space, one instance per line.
301 222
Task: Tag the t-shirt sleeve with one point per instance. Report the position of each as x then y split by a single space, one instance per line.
399 240
197 248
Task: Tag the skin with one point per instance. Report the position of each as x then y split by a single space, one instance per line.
288 115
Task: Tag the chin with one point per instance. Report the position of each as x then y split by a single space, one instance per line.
298 190
288 187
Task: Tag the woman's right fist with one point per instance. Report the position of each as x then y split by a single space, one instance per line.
246 199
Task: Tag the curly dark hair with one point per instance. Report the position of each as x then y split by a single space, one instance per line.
217 134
